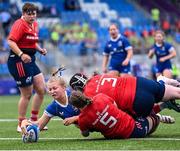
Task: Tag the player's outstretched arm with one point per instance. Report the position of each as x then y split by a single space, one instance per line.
151 53
70 120
43 121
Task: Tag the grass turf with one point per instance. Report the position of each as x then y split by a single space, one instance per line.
59 137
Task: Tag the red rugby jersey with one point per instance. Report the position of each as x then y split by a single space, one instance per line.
121 89
24 34
103 116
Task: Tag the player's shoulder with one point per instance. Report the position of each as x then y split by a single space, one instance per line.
100 96
167 44
122 37
108 43
19 22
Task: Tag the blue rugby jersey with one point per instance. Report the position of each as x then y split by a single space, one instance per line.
161 51
62 111
117 48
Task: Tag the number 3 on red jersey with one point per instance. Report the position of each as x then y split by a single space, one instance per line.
113 80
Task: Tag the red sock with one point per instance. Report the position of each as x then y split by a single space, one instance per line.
34 115
156 108
20 120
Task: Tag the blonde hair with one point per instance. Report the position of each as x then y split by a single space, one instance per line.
159 32
57 79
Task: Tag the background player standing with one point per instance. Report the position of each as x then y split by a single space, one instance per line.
120 50
23 41
164 52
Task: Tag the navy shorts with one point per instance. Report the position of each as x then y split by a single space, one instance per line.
141 128
148 92
160 67
22 73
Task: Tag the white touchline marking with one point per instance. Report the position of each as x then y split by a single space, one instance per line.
136 139
15 120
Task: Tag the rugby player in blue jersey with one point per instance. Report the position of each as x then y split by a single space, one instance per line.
59 107
120 51
164 52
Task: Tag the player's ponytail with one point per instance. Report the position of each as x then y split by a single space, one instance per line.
57 77
79 100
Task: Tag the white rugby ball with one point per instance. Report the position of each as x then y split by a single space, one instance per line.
33 134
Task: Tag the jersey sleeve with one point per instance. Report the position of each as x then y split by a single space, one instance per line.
51 110
17 31
169 47
126 43
152 48
106 49
82 124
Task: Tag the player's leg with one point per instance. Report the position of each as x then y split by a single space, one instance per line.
171 93
140 129
166 119
145 126
168 81
167 73
158 107
125 70
170 104
159 92
158 70
26 93
39 87
149 92
113 73
113 68
144 97
22 74
158 74
153 121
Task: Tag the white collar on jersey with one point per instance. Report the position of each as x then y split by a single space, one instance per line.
66 101
119 35
158 45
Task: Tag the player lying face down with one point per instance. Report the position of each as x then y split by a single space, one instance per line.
135 95
101 115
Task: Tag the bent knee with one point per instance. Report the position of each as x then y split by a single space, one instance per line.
40 91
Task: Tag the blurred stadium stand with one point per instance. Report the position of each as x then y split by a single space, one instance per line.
76 36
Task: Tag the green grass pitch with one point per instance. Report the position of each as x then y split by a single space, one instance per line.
59 137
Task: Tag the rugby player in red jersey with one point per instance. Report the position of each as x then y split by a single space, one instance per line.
23 41
101 115
135 95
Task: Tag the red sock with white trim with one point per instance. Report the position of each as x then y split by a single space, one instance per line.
34 115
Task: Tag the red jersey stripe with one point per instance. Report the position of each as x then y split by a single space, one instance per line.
22 69
18 69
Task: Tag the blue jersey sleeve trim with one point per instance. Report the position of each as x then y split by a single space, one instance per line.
105 54
129 47
48 114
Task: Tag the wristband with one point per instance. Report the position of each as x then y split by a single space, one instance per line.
20 54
